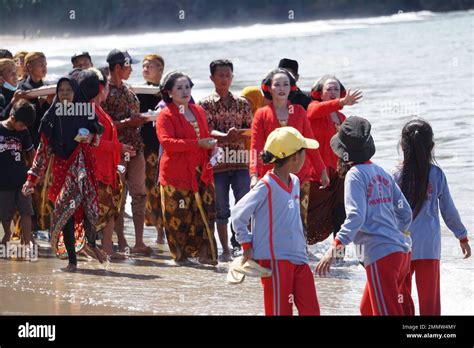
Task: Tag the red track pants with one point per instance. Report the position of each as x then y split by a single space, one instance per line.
387 289
289 284
427 285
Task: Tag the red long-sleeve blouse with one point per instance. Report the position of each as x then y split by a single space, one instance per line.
181 152
324 128
107 154
264 122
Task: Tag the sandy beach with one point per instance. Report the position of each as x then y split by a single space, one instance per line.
156 286
149 286
399 62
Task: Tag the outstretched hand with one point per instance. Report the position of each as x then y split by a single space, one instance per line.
352 97
136 120
324 265
207 143
19 94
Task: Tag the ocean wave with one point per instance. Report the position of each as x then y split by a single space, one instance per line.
101 45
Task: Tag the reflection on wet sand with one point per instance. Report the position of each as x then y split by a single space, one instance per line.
151 285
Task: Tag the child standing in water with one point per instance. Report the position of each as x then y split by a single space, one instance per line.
15 147
377 216
276 239
426 188
74 188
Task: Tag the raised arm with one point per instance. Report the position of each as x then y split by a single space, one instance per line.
321 109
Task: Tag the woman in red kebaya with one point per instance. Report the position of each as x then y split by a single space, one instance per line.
326 206
277 86
107 158
186 175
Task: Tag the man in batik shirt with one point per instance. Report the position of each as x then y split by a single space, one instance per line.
229 119
124 108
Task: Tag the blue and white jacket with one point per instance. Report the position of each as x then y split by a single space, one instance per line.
276 228
426 228
377 213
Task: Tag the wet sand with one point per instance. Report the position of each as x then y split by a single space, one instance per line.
409 63
150 286
154 285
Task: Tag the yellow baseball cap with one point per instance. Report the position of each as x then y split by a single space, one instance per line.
285 141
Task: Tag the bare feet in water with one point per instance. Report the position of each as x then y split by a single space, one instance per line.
115 256
183 262
225 257
160 239
142 249
207 261
124 248
69 268
95 253
112 255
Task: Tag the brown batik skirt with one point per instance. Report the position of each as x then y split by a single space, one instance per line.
110 202
184 227
321 217
42 205
153 215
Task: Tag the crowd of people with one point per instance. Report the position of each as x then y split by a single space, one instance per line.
298 169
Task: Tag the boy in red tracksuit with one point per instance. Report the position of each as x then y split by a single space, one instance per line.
378 216
276 238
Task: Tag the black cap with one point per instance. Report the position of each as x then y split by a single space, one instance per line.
353 142
4 53
286 63
119 57
80 54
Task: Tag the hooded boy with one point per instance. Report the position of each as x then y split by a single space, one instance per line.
378 216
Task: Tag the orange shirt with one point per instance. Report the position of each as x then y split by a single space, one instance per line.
264 122
181 152
324 128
